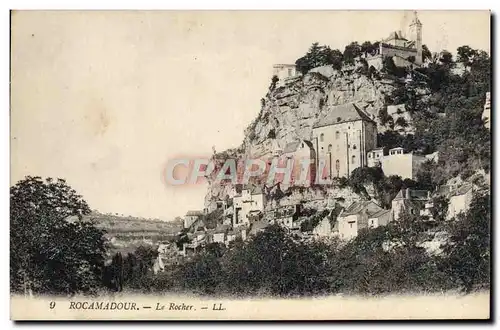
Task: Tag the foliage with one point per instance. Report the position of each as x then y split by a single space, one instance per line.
439 210
468 251
352 51
318 56
274 81
311 222
52 249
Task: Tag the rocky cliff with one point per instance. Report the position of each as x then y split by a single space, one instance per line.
290 110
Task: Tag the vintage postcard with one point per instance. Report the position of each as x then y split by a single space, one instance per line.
250 165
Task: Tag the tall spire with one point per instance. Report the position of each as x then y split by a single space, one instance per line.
415 19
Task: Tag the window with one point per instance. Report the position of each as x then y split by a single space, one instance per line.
321 137
337 135
353 159
369 155
378 155
329 148
350 224
302 145
354 146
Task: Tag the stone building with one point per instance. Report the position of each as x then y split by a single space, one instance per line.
380 218
191 217
486 111
356 217
400 48
285 71
374 157
408 200
403 164
341 139
250 201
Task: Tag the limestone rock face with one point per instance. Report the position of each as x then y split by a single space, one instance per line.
290 111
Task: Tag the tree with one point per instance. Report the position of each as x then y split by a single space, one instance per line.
274 81
319 56
446 57
53 249
465 55
335 59
467 253
351 51
426 53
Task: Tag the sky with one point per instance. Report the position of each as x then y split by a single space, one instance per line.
104 99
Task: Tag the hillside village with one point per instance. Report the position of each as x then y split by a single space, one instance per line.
396 196
344 133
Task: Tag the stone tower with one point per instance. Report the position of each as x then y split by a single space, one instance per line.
415 34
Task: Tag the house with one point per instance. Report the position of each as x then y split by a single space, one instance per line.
341 139
287 215
324 228
374 157
235 233
191 217
356 217
486 112
460 200
409 200
249 200
219 235
379 219
285 71
406 165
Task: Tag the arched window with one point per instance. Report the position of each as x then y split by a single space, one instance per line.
337 135
321 137
329 148
302 145
354 146
353 159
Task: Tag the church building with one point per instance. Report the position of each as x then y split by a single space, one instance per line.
341 139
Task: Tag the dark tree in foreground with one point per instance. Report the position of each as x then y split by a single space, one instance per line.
468 251
52 250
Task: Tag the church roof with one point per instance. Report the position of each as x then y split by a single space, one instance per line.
395 36
341 114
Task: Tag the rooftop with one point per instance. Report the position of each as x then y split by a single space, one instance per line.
194 213
342 113
414 194
362 206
